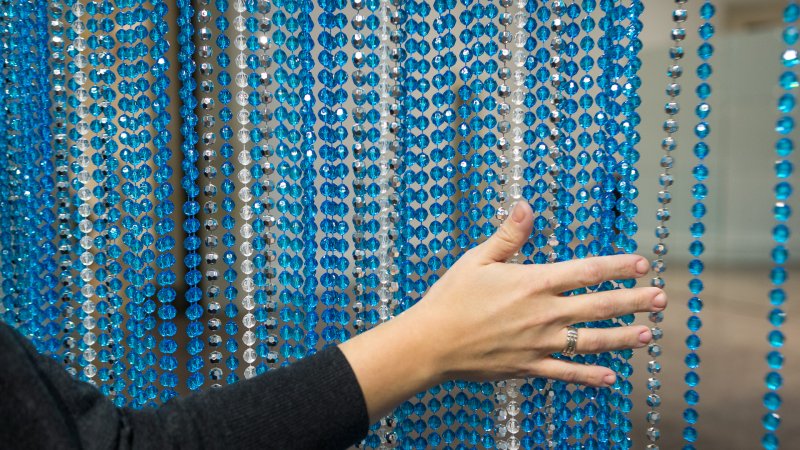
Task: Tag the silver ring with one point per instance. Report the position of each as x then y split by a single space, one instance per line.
572 342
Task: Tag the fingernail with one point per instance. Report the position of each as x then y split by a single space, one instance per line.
642 267
516 213
660 301
609 379
645 337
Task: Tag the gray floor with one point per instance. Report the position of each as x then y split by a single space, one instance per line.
732 362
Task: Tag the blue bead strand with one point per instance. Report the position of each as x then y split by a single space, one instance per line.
307 182
331 113
164 208
189 182
699 193
107 207
289 258
780 233
626 101
133 87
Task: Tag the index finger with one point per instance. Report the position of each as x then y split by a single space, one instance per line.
577 273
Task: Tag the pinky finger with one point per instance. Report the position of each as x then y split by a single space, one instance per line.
572 372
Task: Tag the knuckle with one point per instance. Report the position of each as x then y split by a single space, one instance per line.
606 308
570 374
592 273
542 283
592 342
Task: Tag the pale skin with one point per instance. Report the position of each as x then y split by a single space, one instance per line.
487 319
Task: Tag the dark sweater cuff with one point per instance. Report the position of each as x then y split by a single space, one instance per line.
314 403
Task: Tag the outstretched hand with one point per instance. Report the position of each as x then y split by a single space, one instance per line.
486 319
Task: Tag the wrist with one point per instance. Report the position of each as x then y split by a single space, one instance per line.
397 360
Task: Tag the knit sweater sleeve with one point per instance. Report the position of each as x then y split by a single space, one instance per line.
315 403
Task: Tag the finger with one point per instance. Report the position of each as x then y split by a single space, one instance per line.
599 340
609 304
578 273
576 373
510 237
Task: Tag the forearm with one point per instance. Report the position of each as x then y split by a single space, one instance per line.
395 360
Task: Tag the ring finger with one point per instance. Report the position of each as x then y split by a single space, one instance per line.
599 340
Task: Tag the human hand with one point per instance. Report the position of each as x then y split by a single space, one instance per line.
492 320
486 319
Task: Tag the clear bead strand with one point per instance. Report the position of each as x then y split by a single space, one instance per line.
389 108
669 144
59 21
555 154
506 406
84 196
244 193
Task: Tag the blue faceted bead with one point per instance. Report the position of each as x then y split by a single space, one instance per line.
772 401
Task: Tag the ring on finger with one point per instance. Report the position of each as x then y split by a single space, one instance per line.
572 342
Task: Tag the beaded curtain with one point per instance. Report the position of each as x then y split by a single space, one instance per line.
196 193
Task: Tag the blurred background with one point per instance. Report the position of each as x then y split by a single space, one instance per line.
746 67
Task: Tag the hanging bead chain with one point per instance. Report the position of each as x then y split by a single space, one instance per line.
210 189
506 407
94 206
308 200
784 147
164 208
191 208
699 192
625 174
59 14
232 135
107 275
522 174
662 231
442 189
29 108
361 222
78 128
84 193
538 131
390 93
263 207
588 244
148 175
289 171
246 41
570 90
556 154
135 237
327 112
605 193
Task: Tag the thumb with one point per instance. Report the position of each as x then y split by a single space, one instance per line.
510 237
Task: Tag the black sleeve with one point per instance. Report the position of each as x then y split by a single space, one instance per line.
315 403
